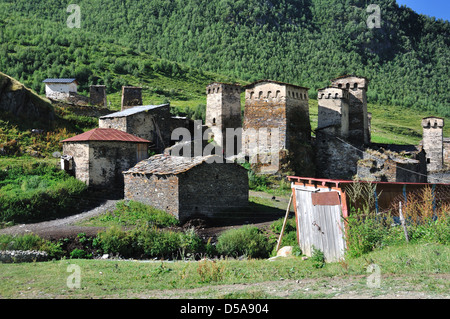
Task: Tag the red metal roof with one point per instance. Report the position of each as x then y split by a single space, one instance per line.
106 134
323 181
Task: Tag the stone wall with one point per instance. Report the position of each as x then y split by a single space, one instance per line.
160 192
80 153
335 159
208 190
389 167
109 159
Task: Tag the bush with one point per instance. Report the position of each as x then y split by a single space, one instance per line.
364 234
146 242
246 240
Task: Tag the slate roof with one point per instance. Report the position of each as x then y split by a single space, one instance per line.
276 82
60 80
133 110
161 164
106 134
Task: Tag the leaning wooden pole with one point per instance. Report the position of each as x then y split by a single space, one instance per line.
284 222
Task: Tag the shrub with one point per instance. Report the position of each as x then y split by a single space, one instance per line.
247 240
116 241
364 234
146 242
80 254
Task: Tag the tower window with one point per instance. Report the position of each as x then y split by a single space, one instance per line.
355 86
214 121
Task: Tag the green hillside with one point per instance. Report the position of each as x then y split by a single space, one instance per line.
305 42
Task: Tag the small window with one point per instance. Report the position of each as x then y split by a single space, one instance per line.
251 95
214 121
260 94
355 86
347 86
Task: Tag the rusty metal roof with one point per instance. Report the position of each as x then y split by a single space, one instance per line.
106 134
337 182
161 164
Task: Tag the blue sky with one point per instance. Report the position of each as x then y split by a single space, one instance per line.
435 8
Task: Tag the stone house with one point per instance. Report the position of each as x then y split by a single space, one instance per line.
60 89
150 122
188 187
98 157
277 126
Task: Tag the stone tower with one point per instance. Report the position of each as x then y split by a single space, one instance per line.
277 126
334 111
223 111
97 95
433 142
131 96
358 116
335 157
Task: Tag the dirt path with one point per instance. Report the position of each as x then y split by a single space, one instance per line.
63 227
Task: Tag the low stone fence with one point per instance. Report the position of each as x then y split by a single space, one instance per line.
20 256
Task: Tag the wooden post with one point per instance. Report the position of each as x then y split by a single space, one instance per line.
402 221
284 222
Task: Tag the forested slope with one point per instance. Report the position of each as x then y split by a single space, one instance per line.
304 42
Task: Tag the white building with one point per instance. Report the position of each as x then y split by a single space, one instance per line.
60 89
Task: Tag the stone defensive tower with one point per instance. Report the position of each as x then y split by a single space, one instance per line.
358 116
97 95
433 142
335 158
131 96
333 111
223 111
276 123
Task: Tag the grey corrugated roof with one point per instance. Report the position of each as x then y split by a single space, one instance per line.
164 164
59 80
133 110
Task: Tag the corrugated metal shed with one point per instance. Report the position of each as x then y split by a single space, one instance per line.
106 134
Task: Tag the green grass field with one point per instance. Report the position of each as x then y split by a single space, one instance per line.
408 269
